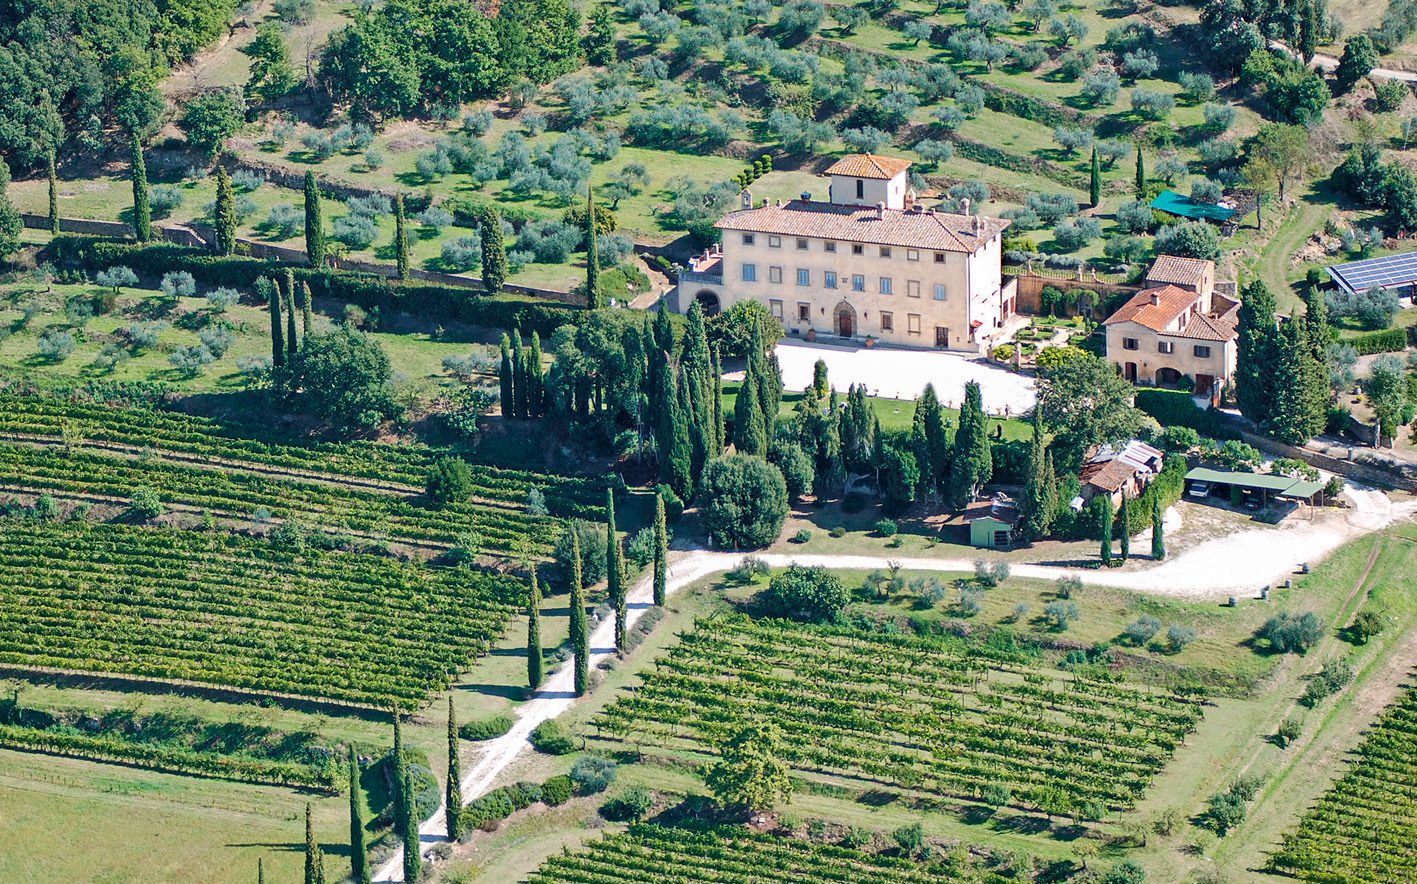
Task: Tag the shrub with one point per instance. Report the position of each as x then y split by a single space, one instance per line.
486 729
631 805
1060 614
1152 105
910 838
178 284
1289 730
1178 637
1332 678
165 198
750 569
556 790
886 528
285 221
746 501
995 795
593 774
355 231
550 739
145 503
461 254
1143 629
1069 586
970 603
449 481
813 594
838 531
55 344
1286 633
1189 239
803 535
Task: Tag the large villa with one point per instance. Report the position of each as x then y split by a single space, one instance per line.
868 263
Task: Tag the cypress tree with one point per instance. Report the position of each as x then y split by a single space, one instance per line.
593 299
260 870
312 850
398 771
580 630
536 380
1126 537
292 342
719 430
277 332
453 797
749 432
672 437
697 366
401 235
1291 416
518 375
412 849
314 222
1050 489
307 314
1257 352
535 663
142 209
932 447
1308 31
1141 174
663 331
1104 528
971 463
1094 186
614 569
1158 537
225 213
661 551
506 376
358 854
1037 515
494 252
53 195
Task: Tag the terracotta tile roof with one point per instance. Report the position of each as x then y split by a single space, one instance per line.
1210 328
1182 271
866 165
1107 476
1155 308
939 231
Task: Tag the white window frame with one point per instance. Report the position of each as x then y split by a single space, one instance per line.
912 254
912 323
912 288
1167 347
775 275
775 307
887 286
774 242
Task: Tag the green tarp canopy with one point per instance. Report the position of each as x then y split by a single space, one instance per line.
1178 204
1281 486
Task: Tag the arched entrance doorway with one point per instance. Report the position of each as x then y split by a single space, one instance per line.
845 320
708 302
1168 377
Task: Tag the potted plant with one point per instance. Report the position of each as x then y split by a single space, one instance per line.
870 342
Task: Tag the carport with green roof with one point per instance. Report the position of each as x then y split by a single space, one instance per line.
1269 486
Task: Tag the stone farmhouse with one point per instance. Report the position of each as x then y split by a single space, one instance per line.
1177 327
867 264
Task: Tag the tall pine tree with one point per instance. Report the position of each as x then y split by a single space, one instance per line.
494 252
1158 536
358 852
1104 527
1037 514
224 213
594 299
292 342
53 194
614 570
580 629
453 797
307 312
314 222
1094 183
1126 533
971 464
749 432
412 848
535 662
401 236
142 208
661 551
507 376
1257 353
277 330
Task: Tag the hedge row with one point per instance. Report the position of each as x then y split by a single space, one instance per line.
1016 104
1389 341
438 302
1175 408
487 812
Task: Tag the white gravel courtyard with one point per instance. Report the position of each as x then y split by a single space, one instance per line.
896 373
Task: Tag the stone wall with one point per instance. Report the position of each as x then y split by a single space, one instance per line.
1403 476
1030 291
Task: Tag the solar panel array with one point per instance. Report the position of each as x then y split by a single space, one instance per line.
1386 272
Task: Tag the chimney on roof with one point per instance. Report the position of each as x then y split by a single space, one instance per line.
880 211
747 197
1155 298
964 206
909 199
978 225
778 203
806 196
